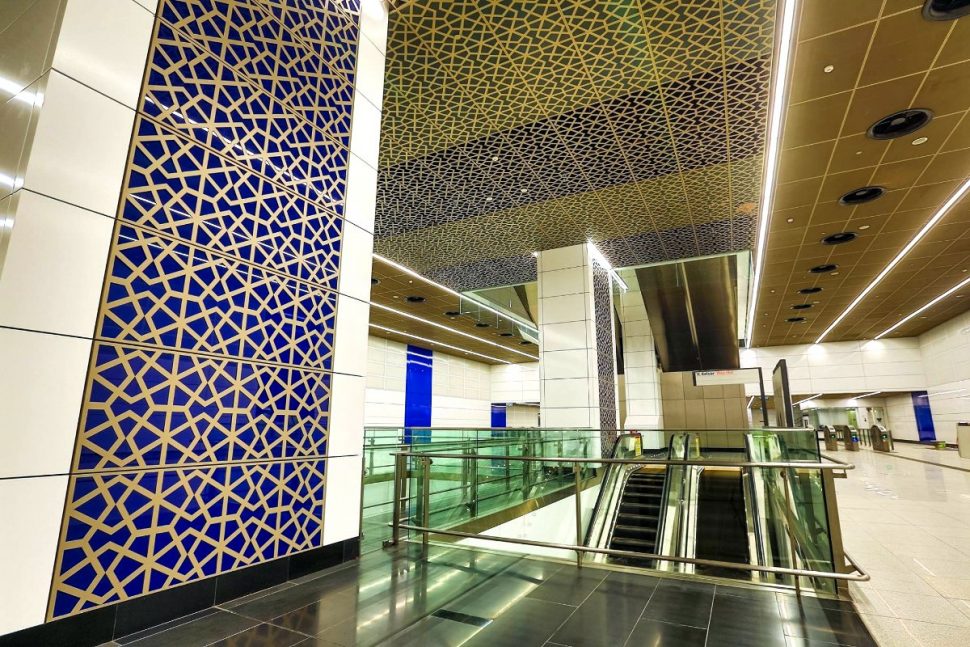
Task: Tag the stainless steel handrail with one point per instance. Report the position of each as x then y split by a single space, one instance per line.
862 577
834 465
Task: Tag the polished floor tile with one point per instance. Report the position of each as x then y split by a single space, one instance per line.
200 632
682 603
654 632
609 614
263 635
570 586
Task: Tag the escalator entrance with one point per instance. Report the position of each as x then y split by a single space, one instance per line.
638 519
722 532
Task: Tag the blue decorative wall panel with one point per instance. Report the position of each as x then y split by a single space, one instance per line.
202 438
924 416
417 393
499 416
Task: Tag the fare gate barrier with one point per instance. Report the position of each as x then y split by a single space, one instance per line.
831 438
849 436
882 438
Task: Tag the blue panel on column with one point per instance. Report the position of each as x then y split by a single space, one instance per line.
924 417
499 417
417 394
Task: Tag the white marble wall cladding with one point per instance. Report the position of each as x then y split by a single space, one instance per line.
901 417
522 415
946 361
70 72
460 388
843 367
641 376
515 382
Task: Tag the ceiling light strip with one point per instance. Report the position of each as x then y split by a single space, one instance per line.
452 330
597 256
928 305
438 343
817 395
411 272
865 395
778 90
942 211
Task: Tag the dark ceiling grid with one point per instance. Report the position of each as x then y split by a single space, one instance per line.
917 179
606 125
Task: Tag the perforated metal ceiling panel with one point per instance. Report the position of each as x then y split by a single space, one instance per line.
511 127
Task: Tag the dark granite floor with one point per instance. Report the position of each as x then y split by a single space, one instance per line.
465 597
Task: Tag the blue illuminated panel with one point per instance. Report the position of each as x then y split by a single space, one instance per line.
417 394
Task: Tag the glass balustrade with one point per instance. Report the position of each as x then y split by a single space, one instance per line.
546 492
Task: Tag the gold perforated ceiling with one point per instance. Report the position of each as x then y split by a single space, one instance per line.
884 57
514 126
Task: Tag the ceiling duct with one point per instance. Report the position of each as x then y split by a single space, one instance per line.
693 311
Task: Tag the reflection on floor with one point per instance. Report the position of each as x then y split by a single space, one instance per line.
907 523
467 597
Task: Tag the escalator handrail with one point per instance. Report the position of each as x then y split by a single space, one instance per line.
590 529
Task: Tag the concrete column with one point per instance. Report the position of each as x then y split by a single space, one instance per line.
577 370
641 381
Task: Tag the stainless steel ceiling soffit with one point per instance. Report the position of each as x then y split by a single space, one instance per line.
693 312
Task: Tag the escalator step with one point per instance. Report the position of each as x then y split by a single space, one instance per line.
641 544
644 532
631 518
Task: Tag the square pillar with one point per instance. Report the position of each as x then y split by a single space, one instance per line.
577 367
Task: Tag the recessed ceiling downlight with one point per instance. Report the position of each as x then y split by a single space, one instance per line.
839 238
374 281
900 123
945 9
861 195
814 290
824 269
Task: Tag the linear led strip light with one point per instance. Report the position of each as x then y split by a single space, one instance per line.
928 305
438 343
865 395
451 330
410 272
597 256
942 211
817 395
776 116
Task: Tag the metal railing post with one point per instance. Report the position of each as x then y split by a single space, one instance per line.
400 474
425 498
790 532
577 468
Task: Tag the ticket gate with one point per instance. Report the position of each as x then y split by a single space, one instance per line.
850 437
882 438
830 436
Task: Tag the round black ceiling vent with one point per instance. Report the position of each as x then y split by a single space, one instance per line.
946 9
505 334
823 269
481 324
900 123
795 319
864 194
815 290
839 238
452 313
374 281
414 299
525 342
801 306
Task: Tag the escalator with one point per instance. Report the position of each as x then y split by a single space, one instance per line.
722 520
638 519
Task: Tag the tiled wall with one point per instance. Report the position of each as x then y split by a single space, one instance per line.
521 415
460 388
901 416
515 382
686 406
231 255
70 73
946 360
842 367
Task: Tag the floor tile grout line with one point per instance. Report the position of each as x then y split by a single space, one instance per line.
642 611
710 618
588 595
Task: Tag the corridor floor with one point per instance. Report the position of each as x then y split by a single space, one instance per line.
907 523
468 597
